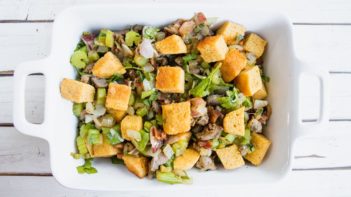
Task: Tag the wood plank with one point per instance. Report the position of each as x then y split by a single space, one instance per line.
22 154
28 41
314 11
308 183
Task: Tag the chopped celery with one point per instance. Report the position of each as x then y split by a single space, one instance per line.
76 155
203 88
79 59
93 56
150 32
86 168
77 109
94 136
148 93
132 38
142 111
101 96
131 100
180 146
141 145
147 125
140 60
164 168
171 178
159 119
84 128
230 138
214 143
109 41
82 148
102 37
114 136
247 137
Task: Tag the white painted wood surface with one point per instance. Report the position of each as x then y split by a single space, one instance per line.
322 163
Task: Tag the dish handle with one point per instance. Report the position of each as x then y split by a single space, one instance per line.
21 73
322 123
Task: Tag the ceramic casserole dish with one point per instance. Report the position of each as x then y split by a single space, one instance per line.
59 125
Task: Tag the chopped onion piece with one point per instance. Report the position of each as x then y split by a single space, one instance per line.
168 151
99 111
236 46
148 85
148 68
89 108
134 135
89 118
146 48
260 104
251 58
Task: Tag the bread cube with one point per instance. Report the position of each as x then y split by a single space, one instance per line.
187 160
233 63
261 145
170 79
230 157
213 48
176 118
249 81
129 122
173 44
104 150
181 136
107 66
260 94
117 97
117 114
77 91
234 122
255 44
136 165
230 31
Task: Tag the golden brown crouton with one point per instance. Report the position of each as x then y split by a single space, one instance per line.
173 44
181 136
170 79
255 44
230 157
104 150
234 123
187 160
176 117
117 97
230 31
77 91
261 145
213 48
260 94
249 81
136 165
117 114
107 66
233 63
129 122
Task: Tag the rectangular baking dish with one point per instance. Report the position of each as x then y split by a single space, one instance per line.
59 126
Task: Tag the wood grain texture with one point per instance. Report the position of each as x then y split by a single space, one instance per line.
299 183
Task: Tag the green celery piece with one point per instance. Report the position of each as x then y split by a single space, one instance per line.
94 136
93 56
179 147
79 59
132 38
150 32
77 109
230 138
148 93
142 111
102 36
140 60
168 177
141 145
147 125
114 136
247 137
203 88
86 168
109 41
84 128
101 96
82 148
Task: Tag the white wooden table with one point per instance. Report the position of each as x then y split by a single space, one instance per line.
322 162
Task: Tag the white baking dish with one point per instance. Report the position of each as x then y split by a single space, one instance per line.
59 126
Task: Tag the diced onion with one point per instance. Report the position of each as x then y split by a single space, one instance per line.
146 48
148 68
251 58
148 85
89 108
168 151
260 104
236 46
134 135
89 118
99 111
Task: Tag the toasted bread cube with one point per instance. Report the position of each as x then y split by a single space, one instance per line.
234 122
181 136
107 66
233 63
77 91
176 118
255 44
213 48
187 160
136 165
249 81
173 44
170 79
230 157
118 115
230 31
129 122
260 94
261 145
104 150
117 97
